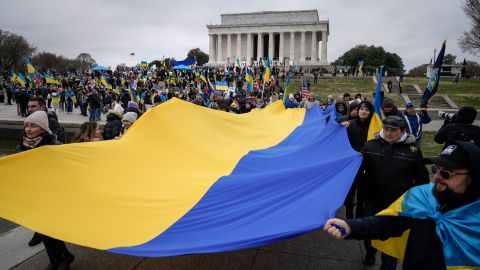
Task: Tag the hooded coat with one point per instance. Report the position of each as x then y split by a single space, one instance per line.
113 126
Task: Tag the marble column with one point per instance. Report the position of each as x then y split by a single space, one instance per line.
211 51
271 45
302 47
260 46
324 45
219 48
314 46
229 48
292 46
281 47
249 48
239 47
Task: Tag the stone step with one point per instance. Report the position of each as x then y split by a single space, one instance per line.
438 101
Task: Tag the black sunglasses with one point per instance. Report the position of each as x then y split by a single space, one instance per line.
444 173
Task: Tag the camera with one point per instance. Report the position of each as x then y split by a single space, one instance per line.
446 115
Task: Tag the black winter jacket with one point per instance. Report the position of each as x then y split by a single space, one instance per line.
55 127
462 131
390 170
358 133
424 249
113 126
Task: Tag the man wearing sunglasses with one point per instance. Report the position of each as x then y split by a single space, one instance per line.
443 216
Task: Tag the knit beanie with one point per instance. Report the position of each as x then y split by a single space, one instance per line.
40 119
118 108
132 104
130 117
353 106
388 103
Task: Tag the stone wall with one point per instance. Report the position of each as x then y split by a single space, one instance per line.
270 17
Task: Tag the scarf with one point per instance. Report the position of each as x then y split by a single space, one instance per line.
31 143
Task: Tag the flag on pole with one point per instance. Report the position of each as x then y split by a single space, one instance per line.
376 122
266 74
221 86
49 79
14 76
21 79
434 79
202 77
249 79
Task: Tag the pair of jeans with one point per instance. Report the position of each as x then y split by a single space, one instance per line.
95 115
83 109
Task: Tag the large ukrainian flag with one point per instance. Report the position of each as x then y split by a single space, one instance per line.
185 179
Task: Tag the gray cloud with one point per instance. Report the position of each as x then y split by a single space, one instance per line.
110 30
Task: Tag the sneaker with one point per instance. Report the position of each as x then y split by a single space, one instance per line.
369 260
36 239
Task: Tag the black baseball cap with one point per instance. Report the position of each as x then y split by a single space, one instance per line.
452 157
395 122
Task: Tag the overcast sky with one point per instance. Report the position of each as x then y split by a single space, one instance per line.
111 30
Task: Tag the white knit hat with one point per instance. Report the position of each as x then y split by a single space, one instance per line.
130 117
40 119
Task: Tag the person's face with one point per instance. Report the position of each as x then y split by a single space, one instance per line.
387 109
347 98
341 108
126 124
410 110
34 106
98 132
274 98
363 112
32 131
354 113
392 135
455 181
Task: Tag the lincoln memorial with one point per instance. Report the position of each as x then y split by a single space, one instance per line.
287 37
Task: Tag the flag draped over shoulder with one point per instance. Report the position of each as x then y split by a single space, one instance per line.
238 188
458 229
376 122
434 79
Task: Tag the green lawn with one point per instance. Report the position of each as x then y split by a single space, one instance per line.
465 93
446 86
337 87
429 146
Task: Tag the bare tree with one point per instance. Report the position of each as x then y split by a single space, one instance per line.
13 50
470 41
85 61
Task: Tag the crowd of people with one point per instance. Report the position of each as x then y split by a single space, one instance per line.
392 162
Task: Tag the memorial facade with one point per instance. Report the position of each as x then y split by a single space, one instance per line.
287 37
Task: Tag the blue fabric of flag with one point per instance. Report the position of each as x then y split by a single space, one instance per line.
272 194
186 62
